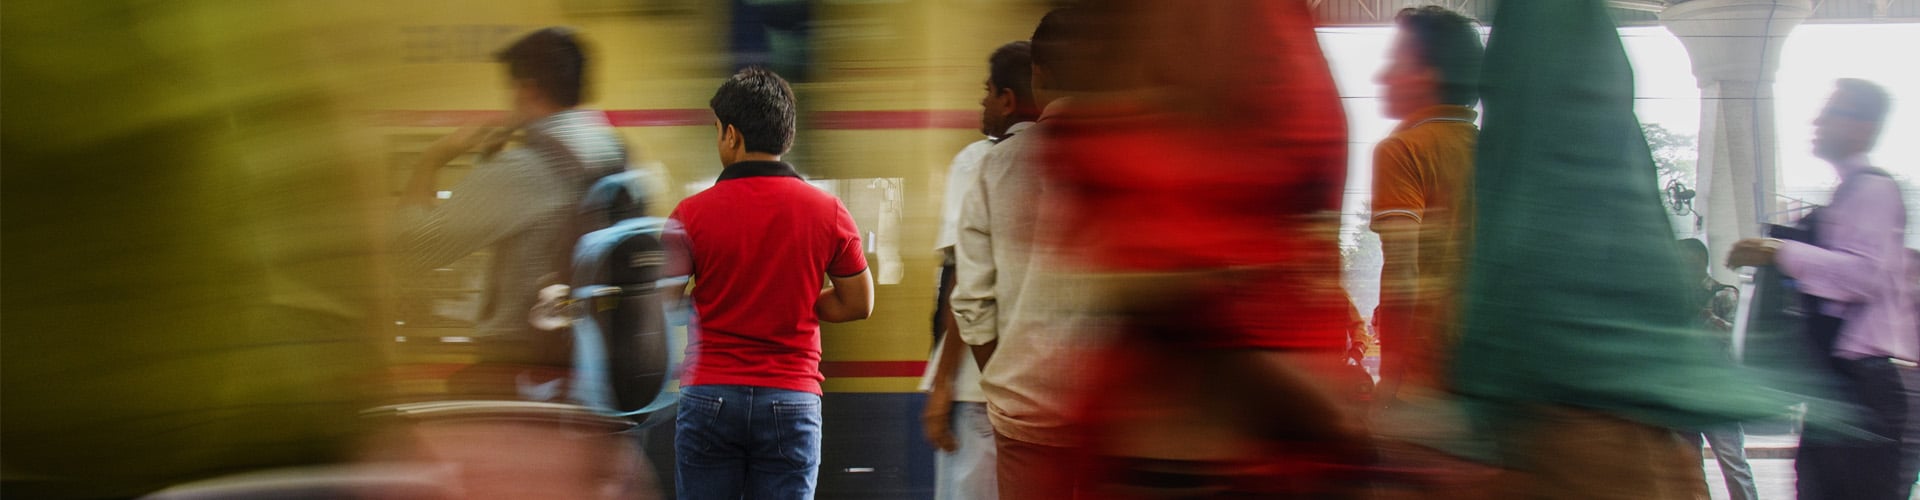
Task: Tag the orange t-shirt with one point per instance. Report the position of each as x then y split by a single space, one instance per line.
1424 172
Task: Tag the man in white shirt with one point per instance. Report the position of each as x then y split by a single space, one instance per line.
955 417
1016 314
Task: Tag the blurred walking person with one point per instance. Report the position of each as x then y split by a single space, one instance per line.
1423 212
1578 354
1194 186
1716 303
1012 312
516 204
1860 307
1423 192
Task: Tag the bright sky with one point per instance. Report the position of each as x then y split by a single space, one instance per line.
1814 56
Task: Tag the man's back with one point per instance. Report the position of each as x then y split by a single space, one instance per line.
1016 293
762 242
517 205
1004 210
759 245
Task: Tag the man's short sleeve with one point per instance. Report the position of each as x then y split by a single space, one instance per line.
849 257
1397 189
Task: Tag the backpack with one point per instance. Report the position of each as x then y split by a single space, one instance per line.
627 317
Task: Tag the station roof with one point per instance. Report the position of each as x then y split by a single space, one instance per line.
1627 12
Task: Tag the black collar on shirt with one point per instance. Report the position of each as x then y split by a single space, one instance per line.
1011 129
757 168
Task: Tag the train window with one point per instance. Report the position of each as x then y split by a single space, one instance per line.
876 206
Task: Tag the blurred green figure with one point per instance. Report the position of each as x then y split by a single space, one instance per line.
1579 354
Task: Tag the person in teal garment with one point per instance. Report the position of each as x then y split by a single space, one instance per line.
1578 353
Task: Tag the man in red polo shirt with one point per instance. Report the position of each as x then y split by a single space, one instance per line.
759 244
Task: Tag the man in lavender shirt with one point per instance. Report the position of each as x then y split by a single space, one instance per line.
1856 267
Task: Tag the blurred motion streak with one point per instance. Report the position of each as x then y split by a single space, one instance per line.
192 263
204 297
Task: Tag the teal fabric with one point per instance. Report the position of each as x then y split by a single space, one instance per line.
1575 292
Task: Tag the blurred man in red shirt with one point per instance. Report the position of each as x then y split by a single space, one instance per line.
1198 188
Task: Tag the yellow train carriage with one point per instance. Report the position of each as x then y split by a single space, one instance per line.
888 92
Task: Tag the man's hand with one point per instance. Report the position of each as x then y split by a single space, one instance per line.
494 141
420 186
488 133
937 419
466 138
1752 252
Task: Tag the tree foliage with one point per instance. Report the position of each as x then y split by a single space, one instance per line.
1674 153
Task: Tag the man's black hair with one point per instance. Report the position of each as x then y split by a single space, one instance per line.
1447 42
553 59
1860 99
759 104
1011 68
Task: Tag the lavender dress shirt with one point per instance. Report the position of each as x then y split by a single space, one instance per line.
1860 266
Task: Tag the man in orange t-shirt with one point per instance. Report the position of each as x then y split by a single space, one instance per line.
1423 211
1422 192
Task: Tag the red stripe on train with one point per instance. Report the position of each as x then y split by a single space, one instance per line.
915 119
896 120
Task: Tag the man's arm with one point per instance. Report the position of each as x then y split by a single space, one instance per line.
1398 204
849 299
488 204
949 342
936 418
426 169
974 305
1400 249
1400 255
1861 248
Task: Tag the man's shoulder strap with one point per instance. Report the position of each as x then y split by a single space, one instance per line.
1849 183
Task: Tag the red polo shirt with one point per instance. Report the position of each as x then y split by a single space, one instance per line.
760 244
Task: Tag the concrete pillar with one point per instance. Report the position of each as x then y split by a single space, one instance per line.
1735 48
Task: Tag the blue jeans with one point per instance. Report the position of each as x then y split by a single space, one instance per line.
757 443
